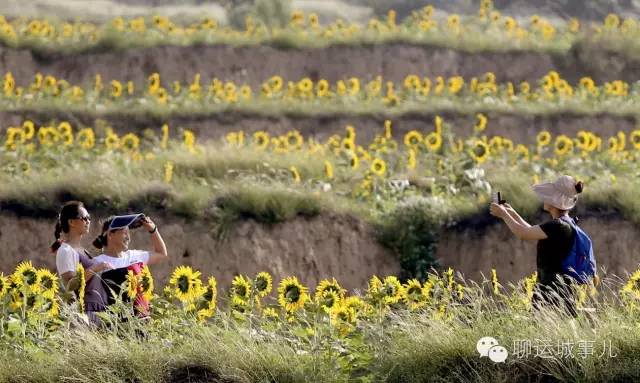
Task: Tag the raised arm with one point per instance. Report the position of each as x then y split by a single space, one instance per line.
521 229
159 252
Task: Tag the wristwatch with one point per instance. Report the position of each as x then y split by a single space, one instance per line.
155 228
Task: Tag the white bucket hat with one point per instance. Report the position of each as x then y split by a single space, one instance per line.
561 193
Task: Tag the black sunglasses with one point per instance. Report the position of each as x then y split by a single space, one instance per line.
86 218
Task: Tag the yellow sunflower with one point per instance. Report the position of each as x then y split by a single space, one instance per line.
433 141
295 139
4 285
413 294
327 299
241 288
543 138
479 151
378 167
26 278
211 294
50 306
291 294
185 284
391 290
132 284
48 283
263 284
328 169
630 292
343 318
81 286
354 303
354 161
495 285
563 145
330 285
146 283
375 285
481 124
634 138
413 139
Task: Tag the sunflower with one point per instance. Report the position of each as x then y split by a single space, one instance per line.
86 138
378 167
387 129
270 313
373 290
204 314
543 138
563 145
354 303
294 139
330 285
348 145
295 174
495 285
634 138
241 288
479 151
343 318
354 161
433 141
481 124
210 294
327 299
413 294
132 284
4 285
328 169
146 283
413 139
263 284
391 290
291 294
185 284
81 286
630 292
50 306
48 283
130 142
26 278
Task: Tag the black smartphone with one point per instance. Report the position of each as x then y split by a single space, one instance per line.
500 200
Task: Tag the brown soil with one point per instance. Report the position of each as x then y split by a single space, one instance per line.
475 251
326 246
255 64
520 128
329 246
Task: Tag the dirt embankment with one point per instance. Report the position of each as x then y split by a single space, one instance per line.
520 128
476 250
327 246
312 249
253 65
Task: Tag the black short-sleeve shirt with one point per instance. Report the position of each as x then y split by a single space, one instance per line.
553 250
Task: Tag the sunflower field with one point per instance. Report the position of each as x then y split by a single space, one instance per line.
262 330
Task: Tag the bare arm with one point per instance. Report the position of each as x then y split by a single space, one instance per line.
514 214
521 230
159 253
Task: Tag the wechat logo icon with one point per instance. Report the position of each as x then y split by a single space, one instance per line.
489 347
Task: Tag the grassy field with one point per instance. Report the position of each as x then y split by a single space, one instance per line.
489 30
389 332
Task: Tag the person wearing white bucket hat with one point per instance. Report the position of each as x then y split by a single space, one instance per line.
555 237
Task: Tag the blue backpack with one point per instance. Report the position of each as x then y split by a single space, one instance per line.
580 264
